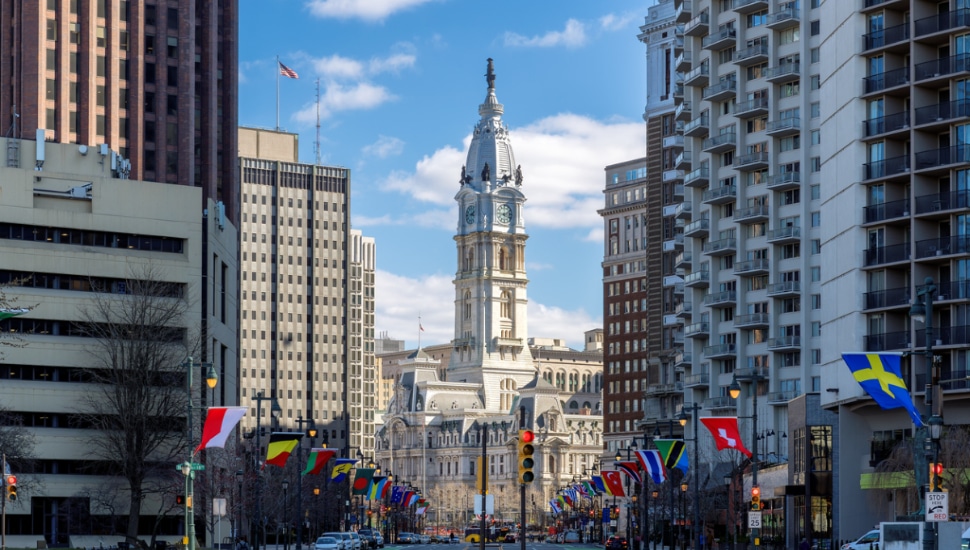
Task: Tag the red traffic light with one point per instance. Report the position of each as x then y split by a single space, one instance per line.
756 491
528 436
938 468
11 480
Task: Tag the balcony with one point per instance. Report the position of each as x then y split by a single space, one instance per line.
942 22
784 127
697 279
890 254
890 297
698 228
782 397
676 140
697 330
751 320
683 12
721 351
725 298
748 6
886 37
508 342
751 373
683 309
683 260
697 381
786 72
682 360
751 214
720 143
699 76
467 342
721 91
895 167
868 5
679 92
698 177
682 162
721 247
672 175
942 114
881 212
683 61
785 343
674 244
683 111
785 181
751 108
683 210
699 127
942 68
699 25
887 124
720 403
941 202
784 289
886 341
750 268
751 161
782 19
942 246
751 55
886 80
785 235
940 160
722 39
721 195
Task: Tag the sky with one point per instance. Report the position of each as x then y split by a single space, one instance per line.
400 82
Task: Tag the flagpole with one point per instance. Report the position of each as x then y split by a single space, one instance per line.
277 93
420 328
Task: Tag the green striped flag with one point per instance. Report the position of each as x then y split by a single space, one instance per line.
7 313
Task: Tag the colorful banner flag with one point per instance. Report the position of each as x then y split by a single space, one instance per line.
219 423
726 433
653 464
614 483
362 481
397 494
674 453
605 515
342 469
6 313
590 490
880 375
630 469
413 499
317 460
554 506
420 511
281 444
287 72
376 487
600 486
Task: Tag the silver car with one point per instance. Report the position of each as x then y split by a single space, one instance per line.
345 542
328 543
356 540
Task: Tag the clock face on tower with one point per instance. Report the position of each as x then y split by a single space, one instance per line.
470 215
503 214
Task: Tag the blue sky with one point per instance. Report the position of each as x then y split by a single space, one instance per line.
400 85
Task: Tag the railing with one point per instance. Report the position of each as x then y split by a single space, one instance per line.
943 21
790 123
789 14
721 245
751 319
758 264
886 167
784 179
720 192
942 156
788 232
942 66
751 51
888 79
784 342
942 246
723 297
889 297
784 287
889 35
720 36
888 123
887 254
886 341
719 140
942 111
942 201
728 85
751 105
785 69
886 210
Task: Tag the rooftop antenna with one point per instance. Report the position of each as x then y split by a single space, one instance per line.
316 144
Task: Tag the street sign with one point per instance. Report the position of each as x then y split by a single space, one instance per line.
489 504
754 520
195 466
937 507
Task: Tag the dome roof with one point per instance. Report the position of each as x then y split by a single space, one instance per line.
490 144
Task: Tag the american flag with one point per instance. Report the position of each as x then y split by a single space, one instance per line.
287 72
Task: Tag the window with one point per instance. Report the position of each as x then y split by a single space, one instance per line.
790 89
816 191
788 36
816 219
757 124
815 82
757 19
791 305
815 28
816 109
756 71
816 274
816 300
790 143
815 164
816 328
816 246
793 250
815 55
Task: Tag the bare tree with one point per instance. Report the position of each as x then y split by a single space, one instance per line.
139 399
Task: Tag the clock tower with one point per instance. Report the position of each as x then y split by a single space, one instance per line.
491 323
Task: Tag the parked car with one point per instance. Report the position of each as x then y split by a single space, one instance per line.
424 539
367 541
327 543
864 542
373 536
616 543
407 538
345 543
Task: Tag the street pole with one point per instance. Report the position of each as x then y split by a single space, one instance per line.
275 410
188 468
694 410
934 396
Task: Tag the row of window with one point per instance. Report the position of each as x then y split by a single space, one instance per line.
85 237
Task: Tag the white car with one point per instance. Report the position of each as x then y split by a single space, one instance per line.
327 543
424 539
356 540
869 540
345 542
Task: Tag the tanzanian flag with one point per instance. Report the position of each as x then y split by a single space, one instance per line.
674 453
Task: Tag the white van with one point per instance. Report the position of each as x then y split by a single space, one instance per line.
865 542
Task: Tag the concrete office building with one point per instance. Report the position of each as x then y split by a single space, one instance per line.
72 225
307 295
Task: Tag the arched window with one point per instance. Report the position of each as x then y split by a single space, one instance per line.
503 259
506 307
467 305
469 259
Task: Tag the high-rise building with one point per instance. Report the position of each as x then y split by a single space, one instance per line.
307 294
154 80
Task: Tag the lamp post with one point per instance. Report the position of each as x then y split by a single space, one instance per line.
683 503
189 467
239 504
754 376
286 515
693 411
275 411
654 495
311 433
629 518
922 311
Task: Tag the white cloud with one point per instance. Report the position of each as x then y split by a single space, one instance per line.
338 97
384 147
368 10
392 63
573 36
337 66
613 22
400 300
562 160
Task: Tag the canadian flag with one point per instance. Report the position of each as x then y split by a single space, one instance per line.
726 433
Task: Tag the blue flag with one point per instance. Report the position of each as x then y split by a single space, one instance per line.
881 376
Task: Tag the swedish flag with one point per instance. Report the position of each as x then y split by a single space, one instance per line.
881 376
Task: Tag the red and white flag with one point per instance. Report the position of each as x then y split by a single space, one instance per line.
219 423
613 482
726 433
287 72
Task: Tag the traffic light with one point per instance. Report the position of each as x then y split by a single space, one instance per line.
936 476
11 488
526 451
756 498
179 499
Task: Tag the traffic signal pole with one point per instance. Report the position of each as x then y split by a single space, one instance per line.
524 527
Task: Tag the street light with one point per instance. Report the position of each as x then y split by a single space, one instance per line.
311 433
239 504
189 467
286 515
922 311
693 411
754 376
275 411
